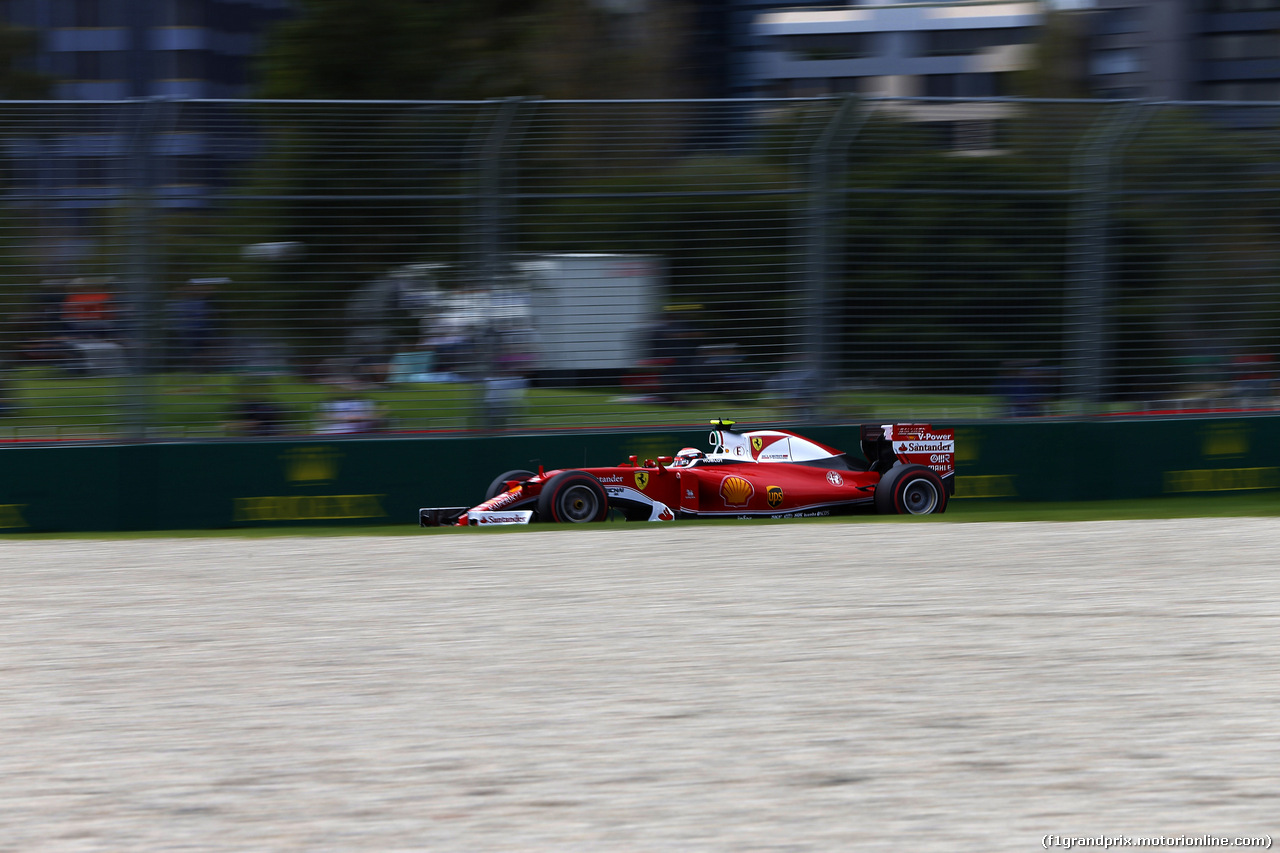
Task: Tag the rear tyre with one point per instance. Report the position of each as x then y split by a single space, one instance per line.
499 485
911 490
573 497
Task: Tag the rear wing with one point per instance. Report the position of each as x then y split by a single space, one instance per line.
912 444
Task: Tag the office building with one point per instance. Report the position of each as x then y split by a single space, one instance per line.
115 49
962 50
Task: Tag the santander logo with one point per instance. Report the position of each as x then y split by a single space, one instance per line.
503 499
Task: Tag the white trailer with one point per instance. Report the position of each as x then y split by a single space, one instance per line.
591 312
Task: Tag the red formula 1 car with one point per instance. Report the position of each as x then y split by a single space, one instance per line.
768 473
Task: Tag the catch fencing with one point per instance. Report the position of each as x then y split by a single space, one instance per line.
194 269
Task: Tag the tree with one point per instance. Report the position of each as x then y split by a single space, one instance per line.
612 49
473 49
1058 69
18 44
397 49
424 163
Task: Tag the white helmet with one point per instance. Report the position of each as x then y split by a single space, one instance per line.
687 457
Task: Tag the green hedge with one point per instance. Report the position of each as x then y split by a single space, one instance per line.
178 486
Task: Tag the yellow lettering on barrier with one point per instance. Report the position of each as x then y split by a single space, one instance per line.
985 486
1225 441
967 448
1221 480
11 516
311 464
308 507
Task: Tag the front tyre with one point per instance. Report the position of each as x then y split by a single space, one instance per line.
911 490
499 484
573 497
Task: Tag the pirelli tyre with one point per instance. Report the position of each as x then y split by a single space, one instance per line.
499 484
573 497
911 490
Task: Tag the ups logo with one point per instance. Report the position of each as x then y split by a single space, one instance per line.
774 495
642 480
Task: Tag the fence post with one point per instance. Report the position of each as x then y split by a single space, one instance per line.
1087 318
822 214
144 116
494 219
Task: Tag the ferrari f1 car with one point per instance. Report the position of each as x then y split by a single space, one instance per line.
768 473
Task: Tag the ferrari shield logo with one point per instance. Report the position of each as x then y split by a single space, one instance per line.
757 443
773 494
642 480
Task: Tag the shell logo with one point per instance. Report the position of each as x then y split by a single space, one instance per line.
736 491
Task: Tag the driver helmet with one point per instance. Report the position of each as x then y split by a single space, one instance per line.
688 456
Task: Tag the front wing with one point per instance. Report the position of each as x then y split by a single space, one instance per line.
440 516
450 516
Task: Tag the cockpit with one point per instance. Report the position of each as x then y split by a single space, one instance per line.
688 457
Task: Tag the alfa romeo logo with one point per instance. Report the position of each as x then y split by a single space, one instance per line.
834 478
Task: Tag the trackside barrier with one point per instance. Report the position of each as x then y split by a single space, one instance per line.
384 480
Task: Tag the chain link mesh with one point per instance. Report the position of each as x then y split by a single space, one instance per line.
176 269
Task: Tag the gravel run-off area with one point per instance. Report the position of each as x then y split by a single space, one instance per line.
932 686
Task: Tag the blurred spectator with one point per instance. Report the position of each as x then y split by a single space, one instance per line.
253 412
193 326
44 332
673 354
47 309
350 411
8 405
372 369
727 373
454 348
90 323
88 310
514 357
516 351
1025 388
1253 377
